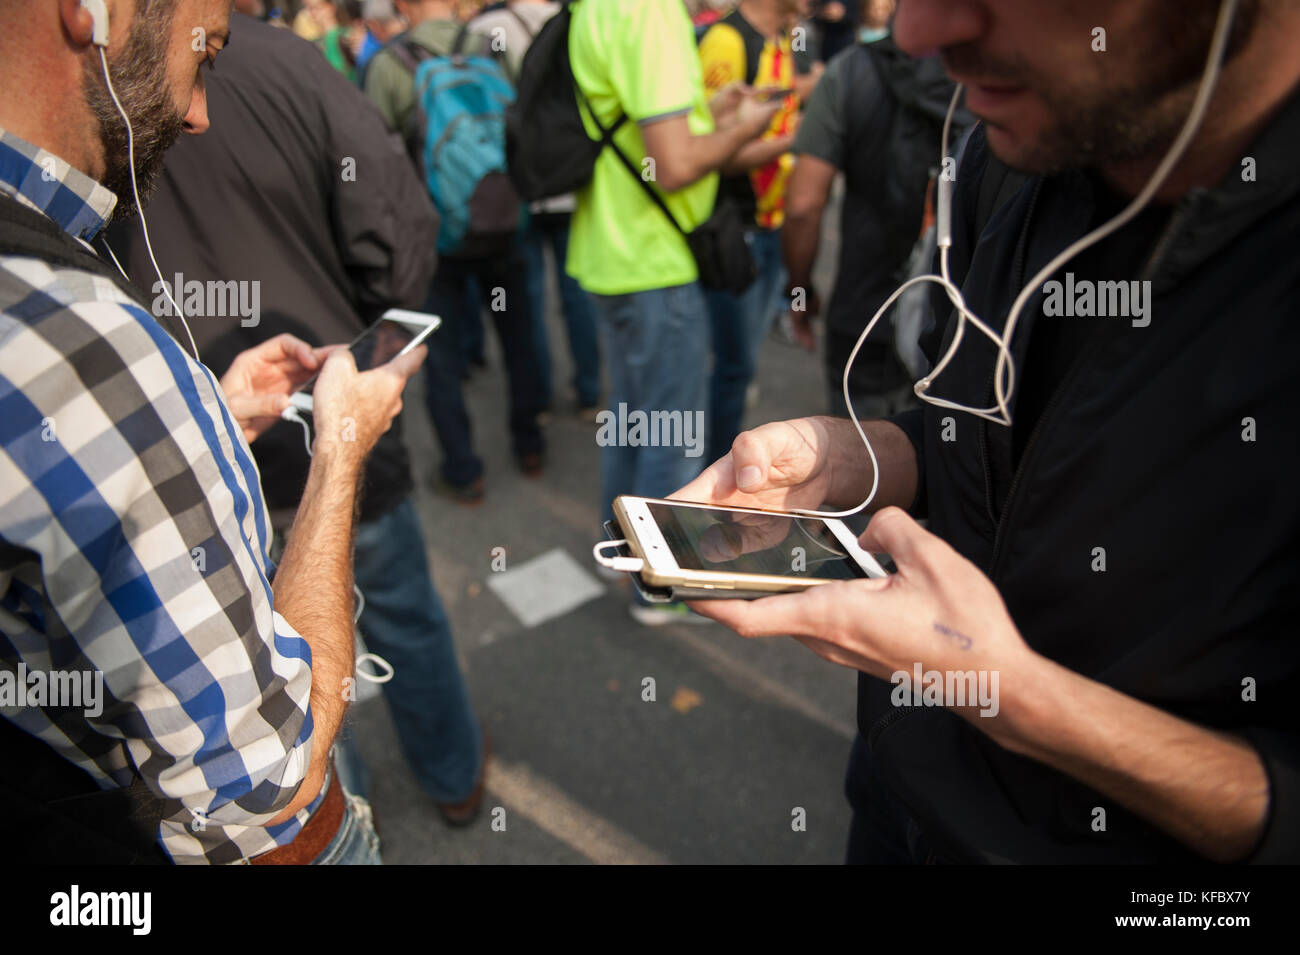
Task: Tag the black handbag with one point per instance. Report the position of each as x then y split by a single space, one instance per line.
719 244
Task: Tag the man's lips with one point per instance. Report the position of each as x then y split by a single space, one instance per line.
991 99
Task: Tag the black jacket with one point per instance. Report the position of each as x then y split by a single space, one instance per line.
298 185
1141 450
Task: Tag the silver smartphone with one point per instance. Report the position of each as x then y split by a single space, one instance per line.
713 550
396 333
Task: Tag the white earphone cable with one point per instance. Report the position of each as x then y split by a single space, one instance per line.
1004 373
135 191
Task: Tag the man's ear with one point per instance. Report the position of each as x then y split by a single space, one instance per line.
86 21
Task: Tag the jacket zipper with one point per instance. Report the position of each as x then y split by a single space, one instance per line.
1018 270
886 721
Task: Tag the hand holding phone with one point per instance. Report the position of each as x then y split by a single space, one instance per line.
353 408
780 466
397 332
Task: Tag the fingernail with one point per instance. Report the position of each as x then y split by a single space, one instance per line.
749 476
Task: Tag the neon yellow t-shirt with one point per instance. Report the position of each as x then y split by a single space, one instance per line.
635 57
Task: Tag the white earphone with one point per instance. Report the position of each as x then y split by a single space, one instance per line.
98 17
99 38
1004 373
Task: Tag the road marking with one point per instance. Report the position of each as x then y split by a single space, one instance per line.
545 587
554 812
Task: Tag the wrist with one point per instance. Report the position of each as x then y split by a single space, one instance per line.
337 456
1029 692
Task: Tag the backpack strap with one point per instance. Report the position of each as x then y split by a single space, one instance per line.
409 52
458 48
751 43
532 34
607 139
26 232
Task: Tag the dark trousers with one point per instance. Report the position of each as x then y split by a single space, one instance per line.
501 285
882 832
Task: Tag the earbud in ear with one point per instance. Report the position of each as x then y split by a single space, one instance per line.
98 17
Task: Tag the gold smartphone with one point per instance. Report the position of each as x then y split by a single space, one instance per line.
706 550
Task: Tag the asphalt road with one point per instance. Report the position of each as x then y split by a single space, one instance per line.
741 737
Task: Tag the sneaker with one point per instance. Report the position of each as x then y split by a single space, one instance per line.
657 615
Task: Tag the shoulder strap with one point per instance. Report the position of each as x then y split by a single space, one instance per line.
751 43
607 139
25 231
462 34
532 34
409 52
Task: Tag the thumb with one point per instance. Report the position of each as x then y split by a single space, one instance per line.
408 364
750 462
892 531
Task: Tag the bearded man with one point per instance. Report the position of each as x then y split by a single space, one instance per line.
1111 538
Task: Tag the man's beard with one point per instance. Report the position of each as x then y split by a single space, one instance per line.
139 75
1103 118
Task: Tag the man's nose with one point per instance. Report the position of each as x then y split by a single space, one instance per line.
196 119
923 27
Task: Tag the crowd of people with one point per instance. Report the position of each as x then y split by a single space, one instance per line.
166 527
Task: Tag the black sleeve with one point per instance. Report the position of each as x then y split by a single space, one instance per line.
912 423
1280 752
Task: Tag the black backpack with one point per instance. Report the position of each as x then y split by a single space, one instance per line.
548 151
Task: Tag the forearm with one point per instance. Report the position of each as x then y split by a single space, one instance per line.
757 153
1207 789
800 240
700 155
313 592
849 466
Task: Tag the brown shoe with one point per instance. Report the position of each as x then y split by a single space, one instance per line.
459 814
532 464
468 495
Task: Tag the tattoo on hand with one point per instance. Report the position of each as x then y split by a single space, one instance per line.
961 639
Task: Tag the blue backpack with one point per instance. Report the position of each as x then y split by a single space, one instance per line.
461 105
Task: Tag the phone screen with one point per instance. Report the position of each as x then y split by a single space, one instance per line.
377 345
780 545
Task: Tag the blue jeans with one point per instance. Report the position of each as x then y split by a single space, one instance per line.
656 349
739 324
356 842
553 229
403 621
445 365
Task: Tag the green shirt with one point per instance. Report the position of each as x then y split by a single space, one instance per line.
635 57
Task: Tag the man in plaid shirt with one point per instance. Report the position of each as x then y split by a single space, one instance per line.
133 534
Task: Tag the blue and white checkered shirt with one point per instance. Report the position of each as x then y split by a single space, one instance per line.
134 549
